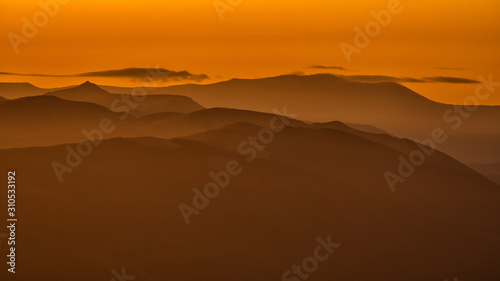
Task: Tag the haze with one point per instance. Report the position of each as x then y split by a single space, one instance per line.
257 39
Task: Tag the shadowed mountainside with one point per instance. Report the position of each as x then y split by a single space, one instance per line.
490 170
46 120
366 128
304 184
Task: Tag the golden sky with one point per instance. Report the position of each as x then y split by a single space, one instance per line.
256 39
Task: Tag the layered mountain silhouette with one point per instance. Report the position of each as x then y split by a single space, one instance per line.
50 129
116 204
89 92
62 116
19 90
46 120
325 97
119 206
389 106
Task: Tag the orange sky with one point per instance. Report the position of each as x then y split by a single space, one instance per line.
257 39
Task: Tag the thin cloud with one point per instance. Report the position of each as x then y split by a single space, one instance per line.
327 67
452 68
31 74
452 80
140 73
382 78
132 73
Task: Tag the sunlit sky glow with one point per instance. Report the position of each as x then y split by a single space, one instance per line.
257 39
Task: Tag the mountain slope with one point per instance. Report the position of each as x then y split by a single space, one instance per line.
443 221
46 120
491 170
366 128
18 90
349 147
39 122
168 125
390 106
138 106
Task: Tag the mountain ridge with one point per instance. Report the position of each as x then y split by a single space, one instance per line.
136 105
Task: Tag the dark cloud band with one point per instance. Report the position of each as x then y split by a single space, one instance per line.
133 73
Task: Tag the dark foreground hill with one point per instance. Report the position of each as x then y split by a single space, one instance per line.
119 208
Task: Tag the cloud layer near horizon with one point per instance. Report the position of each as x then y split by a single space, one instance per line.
382 78
132 73
169 75
327 67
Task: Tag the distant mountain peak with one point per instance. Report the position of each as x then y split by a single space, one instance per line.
89 85
85 89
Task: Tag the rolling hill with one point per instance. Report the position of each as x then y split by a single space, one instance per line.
120 207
